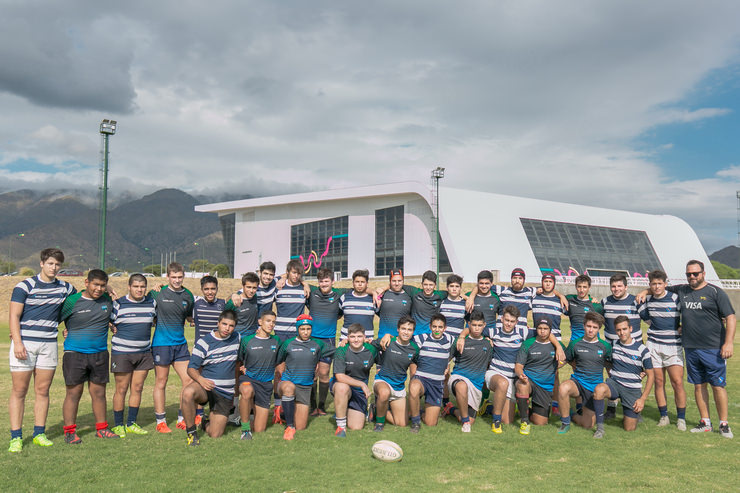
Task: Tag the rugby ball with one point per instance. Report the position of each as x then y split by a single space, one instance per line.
387 451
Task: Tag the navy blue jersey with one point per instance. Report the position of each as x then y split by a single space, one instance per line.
205 315
247 315
173 308
133 321
521 299
42 306
259 356
506 346
216 358
548 307
664 316
290 302
628 361
454 312
358 310
325 311
472 363
265 296
614 308
394 362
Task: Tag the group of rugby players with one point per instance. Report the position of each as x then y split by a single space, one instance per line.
442 346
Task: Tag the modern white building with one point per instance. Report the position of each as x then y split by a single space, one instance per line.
382 227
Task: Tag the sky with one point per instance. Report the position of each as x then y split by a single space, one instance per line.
628 105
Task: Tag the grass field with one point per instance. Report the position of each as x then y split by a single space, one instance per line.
437 459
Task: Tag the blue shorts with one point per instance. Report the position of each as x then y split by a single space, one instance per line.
357 399
166 355
262 390
576 333
627 395
433 391
706 366
329 342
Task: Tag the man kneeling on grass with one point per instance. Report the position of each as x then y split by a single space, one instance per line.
212 368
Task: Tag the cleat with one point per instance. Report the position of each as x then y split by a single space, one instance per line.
415 427
664 421
681 424
181 425
599 433
702 427
289 433
378 427
563 429
247 435
611 413
276 415
119 430
447 409
198 419
341 432
193 439
235 420
16 445
135 429
496 427
725 431
524 429
42 441
465 427
72 439
106 433
163 428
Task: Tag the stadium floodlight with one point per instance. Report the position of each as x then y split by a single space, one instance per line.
437 174
107 128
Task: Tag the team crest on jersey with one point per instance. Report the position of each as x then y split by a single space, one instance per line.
184 304
600 352
331 300
585 309
403 302
552 353
273 347
435 303
411 355
703 298
313 349
366 362
104 307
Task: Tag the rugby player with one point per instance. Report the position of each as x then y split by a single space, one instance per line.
392 305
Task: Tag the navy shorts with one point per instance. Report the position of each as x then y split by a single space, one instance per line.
262 391
627 395
433 391
586 395
357 400
706 366
166 355
328 343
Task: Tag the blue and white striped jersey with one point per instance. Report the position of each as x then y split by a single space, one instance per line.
434 355
265 296
205 315
133 321
520 299
42 306
613 308
548 307
454 312
290 302
217 359
628 362
506 345
357 310
664 316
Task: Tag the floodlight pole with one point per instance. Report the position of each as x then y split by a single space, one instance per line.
107 128
437 173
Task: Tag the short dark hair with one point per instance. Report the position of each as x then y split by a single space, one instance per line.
485 274
97 275
294 264
436 317
621 318
406 320
696 262
477 316
593 317
136 278
355 328
583 278
175 267
429 275
230 314
208 280
269 266
618 278
324 273
657 274
361 273
250 277
54 253
454 279
511 310
267 312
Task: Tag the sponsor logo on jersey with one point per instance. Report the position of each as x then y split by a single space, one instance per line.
693 305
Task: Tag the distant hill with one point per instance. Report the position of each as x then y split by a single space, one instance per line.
164 221
729 255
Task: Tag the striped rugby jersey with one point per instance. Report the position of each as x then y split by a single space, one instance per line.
454 312
42 306
434 355
613 308
548 307
520 299
290 303
506 345
628 361
357 310
133 321
205 315
664 316
216 358
265 295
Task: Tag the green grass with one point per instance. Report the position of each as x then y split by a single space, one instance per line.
438 459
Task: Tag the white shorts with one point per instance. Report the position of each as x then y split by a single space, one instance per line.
665 355
41 355
509 390
474 394
395 394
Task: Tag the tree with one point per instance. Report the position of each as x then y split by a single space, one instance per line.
27 272
7 267
200 265
725 271
155 269
221 270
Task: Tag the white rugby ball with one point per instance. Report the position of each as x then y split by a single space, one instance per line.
387 451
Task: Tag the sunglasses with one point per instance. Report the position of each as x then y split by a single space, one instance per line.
694 274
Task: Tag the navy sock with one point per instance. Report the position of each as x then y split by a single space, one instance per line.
118 418
416 419
39 430
445 400
133 413
16 433
179 414
681 412
663 410
289 408
496 418
579 406
565 420
599 411
199 411
464 420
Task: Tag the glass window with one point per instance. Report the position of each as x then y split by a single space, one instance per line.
228 227
388 240
322 243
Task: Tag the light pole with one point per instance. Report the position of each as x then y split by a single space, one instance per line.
202 253
107 128
437 174
10 249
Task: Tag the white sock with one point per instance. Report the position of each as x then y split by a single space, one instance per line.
342 422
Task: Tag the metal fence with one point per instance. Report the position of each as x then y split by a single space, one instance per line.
643 281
